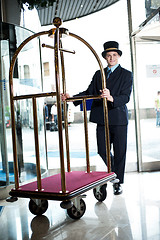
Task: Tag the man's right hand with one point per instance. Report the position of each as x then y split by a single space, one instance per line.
64 96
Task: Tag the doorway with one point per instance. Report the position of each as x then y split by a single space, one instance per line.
147 85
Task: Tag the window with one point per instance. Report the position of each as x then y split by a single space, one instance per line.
46 69
26 72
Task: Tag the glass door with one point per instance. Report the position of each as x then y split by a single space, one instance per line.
27 79
148 87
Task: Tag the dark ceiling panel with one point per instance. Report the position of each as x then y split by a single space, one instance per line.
83 10
71 9
76 9
62 7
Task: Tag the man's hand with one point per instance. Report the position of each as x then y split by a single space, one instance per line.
64 96
105 93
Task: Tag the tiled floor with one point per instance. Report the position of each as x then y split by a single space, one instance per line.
134 215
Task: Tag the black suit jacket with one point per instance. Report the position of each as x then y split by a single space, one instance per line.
120 86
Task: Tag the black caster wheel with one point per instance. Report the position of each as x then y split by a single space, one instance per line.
75 213
38 206
100 193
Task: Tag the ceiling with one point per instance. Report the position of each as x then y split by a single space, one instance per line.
149 30
150 33
71 9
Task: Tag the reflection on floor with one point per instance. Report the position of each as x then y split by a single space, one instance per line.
1 209
134 215
27 173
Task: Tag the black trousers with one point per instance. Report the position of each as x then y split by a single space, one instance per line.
118 142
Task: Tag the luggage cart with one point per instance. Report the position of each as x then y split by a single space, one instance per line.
67 186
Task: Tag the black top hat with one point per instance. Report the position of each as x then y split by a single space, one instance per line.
111 46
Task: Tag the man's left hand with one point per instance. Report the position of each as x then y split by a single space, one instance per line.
105 93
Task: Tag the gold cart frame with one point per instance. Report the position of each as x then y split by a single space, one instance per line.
63 194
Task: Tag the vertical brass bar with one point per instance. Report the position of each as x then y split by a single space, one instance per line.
45 137
107 134
106 124
65 110
66 135
59 109
86 135
16 176
35 121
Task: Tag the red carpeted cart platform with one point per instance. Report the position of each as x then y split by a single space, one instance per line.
77 183
67 186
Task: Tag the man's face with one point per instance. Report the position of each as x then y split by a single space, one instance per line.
112 58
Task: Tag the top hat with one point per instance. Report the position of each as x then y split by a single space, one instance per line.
111 46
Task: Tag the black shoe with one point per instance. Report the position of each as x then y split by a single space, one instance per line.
117 189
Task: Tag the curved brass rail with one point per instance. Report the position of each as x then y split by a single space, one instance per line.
12 105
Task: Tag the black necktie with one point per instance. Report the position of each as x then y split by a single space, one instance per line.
108 73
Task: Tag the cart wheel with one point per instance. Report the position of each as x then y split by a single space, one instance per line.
100 193
38 207
75 213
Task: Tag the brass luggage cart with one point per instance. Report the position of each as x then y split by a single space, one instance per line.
67 186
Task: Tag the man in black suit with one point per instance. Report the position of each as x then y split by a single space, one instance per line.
117 91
